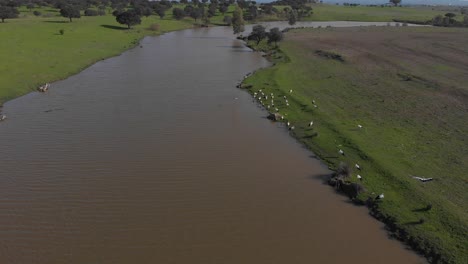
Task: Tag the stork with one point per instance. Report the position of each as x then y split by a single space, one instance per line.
311 123
341 152
359 177
357 166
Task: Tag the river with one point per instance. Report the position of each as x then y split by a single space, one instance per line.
154 156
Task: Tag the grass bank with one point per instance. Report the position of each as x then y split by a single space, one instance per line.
34 52
406 87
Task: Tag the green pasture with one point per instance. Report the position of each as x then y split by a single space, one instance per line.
398 139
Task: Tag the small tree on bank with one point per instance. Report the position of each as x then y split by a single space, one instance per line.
129 18
238 21
258 34
8 12
292 17
70 12
178 13
275 35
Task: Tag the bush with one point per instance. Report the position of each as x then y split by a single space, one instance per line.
91 12
37 13
62 31
227 20
154 27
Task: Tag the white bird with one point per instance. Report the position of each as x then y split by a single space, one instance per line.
381 196
315 106
313 101
284 97
357 166
287 104
359 126
359 177
291 128
423 179
255 94
288 124
266 97
341 152
311 123
290 91
276 109
282 117
268 106
271 94
260 90
2 117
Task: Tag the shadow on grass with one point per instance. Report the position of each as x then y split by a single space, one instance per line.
114 27
55 21
414 223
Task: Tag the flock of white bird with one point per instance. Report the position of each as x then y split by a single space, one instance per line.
261 97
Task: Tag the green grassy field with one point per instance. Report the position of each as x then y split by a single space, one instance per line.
33 52
406 87
325 12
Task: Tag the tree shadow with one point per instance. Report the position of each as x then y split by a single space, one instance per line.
323 178
414 223
114 27
423 209
56 21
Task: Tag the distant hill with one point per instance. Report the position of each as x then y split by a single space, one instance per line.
404 2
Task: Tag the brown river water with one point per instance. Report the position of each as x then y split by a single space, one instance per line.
155 157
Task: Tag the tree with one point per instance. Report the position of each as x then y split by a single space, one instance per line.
292 17
223 9
196 13
227 20
70 12
161 12
275 35
8 12
128 18
258 33
450 15
395 2
178 13
30 6
90 12
237 21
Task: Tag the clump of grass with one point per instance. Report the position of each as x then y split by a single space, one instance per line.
154 27
330 55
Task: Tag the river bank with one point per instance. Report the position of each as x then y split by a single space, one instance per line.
393 134
37 52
